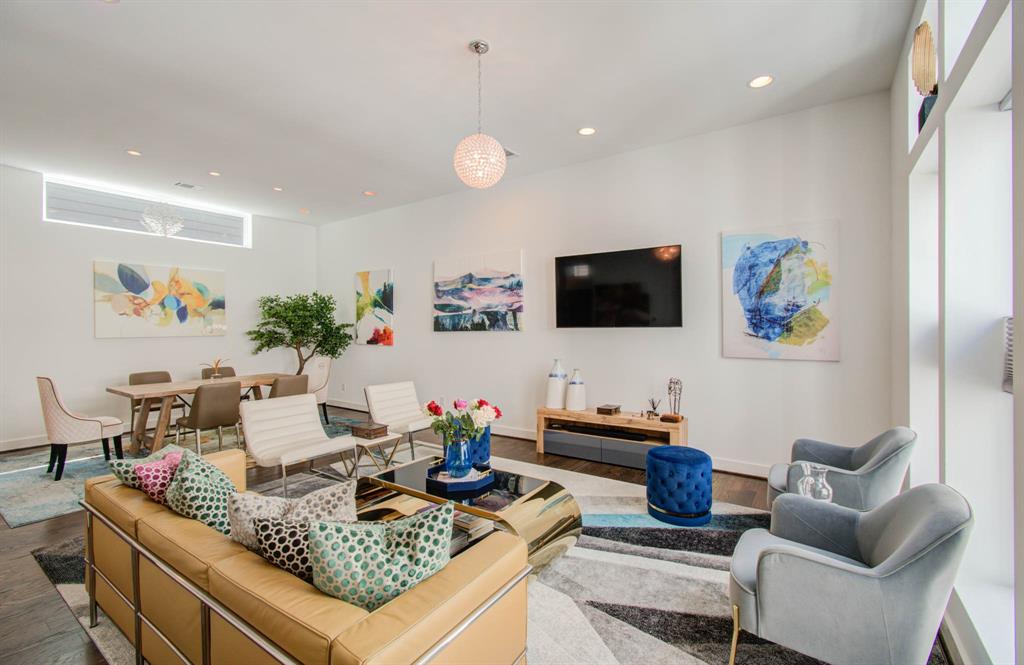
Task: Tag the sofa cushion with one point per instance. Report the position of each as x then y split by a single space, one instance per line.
288 611
285 544
155 477
200 491
124 469
121 504
370 563
188 546
335 503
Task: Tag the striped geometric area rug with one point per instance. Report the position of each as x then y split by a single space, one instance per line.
633 590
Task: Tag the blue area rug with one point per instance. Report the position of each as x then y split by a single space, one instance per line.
29 494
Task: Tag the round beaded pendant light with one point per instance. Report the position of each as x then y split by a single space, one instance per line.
479 158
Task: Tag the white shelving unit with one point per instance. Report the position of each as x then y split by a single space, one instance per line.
954 272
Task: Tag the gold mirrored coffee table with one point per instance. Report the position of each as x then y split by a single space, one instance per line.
541 512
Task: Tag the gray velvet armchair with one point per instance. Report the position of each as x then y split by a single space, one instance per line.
861 478
847 586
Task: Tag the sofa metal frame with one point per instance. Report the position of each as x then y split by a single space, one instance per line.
210 604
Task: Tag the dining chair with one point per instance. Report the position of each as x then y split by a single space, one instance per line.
146 378
214 406
397 406
65 427
225 373
319 371
286 386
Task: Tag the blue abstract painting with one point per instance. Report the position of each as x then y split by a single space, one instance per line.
483 292
779 294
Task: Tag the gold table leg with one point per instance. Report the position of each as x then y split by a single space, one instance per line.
735 634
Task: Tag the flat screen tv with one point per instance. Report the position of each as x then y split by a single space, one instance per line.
636 288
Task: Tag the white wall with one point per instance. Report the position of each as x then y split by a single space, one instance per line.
46 312
829 162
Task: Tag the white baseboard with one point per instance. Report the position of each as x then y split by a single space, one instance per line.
342 404
736 466
23 442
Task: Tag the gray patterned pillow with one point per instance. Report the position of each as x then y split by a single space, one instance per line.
201 491
124 469
286 545
335 503
244 508
369 563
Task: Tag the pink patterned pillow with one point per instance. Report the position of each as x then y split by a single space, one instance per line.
155 477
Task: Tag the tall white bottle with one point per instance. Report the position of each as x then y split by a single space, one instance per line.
556 387
576 393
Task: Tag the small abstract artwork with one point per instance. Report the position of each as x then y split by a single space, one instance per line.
778 293
134 300
375 308
481 292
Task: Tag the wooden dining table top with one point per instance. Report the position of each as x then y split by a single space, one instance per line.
171 388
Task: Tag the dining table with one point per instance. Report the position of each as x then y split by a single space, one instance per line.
149 394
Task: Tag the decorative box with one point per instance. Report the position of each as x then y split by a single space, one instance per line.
608 409
369 430
459 488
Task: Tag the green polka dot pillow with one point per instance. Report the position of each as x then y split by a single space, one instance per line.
369 563
201 492
124 469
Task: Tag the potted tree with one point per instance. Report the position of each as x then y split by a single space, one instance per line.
304 323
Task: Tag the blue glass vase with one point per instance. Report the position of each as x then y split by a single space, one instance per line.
457 459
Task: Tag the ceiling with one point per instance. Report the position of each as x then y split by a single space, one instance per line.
328 99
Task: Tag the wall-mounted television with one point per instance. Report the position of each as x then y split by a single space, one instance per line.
635 288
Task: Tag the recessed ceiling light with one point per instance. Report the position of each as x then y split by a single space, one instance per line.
761 81
304 211
278 189
215 174
586 131
133 152
367 192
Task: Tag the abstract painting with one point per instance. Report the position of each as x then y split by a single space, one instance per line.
375 307
778 293
133 300
481 292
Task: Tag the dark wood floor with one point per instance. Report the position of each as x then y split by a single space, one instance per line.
36 626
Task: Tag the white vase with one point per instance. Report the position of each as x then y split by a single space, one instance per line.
556 387
576 393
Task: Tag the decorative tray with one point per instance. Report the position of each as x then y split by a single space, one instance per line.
453 488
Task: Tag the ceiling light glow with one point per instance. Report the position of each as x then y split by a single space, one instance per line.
586 131
304 211
215 174
133 152
367 192
761 81
278 189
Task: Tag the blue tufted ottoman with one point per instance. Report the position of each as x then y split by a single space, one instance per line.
679 485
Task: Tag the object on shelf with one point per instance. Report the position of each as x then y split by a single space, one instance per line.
576 393
671 418
369 430
924 61
926 107
652 413
556 386
609 409
675 392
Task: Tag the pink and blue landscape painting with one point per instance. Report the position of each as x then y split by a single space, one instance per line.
479 293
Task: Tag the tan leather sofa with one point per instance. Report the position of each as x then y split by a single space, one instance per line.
216 602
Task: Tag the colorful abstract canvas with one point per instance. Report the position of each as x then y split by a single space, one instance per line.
375 308
133 300
482 292
778 293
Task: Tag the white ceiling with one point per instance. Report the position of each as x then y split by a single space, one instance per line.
328 99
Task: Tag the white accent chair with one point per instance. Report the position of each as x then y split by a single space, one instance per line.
287 430
319 371
396 405
65 427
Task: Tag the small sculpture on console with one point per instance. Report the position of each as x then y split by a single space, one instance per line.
652 413
675 393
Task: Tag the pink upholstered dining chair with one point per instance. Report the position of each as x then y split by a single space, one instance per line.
65 427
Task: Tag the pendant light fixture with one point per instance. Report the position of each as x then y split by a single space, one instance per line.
479 158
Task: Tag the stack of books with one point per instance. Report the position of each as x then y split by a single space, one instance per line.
467 529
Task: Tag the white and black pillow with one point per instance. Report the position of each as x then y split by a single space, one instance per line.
285 544
244 508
